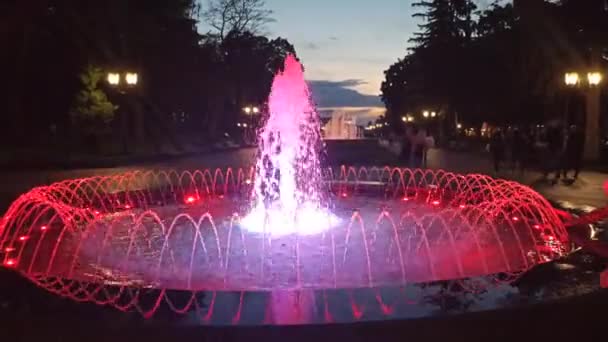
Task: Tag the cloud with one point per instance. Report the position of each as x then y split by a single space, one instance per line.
312 46
339 94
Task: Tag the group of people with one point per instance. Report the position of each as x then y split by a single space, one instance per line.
555 149
414 146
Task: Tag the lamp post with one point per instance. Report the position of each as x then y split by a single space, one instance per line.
124 83
591 84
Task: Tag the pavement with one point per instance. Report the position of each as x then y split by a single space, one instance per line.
587 191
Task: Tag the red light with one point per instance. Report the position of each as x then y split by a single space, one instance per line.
344 194
127 206
536 226
436 202
43 228
96 212
405 199
515 218
10 262
23 238
190 199
9 249
462 206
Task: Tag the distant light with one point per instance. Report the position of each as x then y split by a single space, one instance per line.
536 226
515 218
245 125
433 114
410 119
344 195
459 126
405 199
238 124
426 114
404 119
132 78
43 228
436 202
247 110
462 206
571 78
96 212
9 249
23 238
114 78
10 262
256 110
190 199
248 181
127 206
594 78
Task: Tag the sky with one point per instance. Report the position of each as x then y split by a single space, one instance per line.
345 45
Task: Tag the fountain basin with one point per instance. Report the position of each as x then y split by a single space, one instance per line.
98 239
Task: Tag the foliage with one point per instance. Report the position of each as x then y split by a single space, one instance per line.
501 64
205 79
92 103
227 16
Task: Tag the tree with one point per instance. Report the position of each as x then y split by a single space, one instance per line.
227 16
92 104
446 22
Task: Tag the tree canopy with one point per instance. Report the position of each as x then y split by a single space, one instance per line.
500 64
205 78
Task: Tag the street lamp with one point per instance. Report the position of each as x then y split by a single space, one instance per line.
124 83
251 110
591 89
459 126
571 79
426 114
433 114
132 78
113 78
594 78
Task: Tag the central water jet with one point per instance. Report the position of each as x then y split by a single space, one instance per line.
287 194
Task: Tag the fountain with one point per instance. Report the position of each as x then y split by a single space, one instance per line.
288 173
283 242
342 126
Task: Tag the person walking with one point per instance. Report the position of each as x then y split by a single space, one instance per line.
497 149
406 147
418 145
519 151
555 151
573 155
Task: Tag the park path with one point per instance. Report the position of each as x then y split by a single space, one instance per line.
587 191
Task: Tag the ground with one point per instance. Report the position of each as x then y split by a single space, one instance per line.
587 191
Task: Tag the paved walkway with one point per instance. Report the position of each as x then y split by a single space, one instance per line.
587 190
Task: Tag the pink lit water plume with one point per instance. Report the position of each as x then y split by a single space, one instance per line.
288 179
